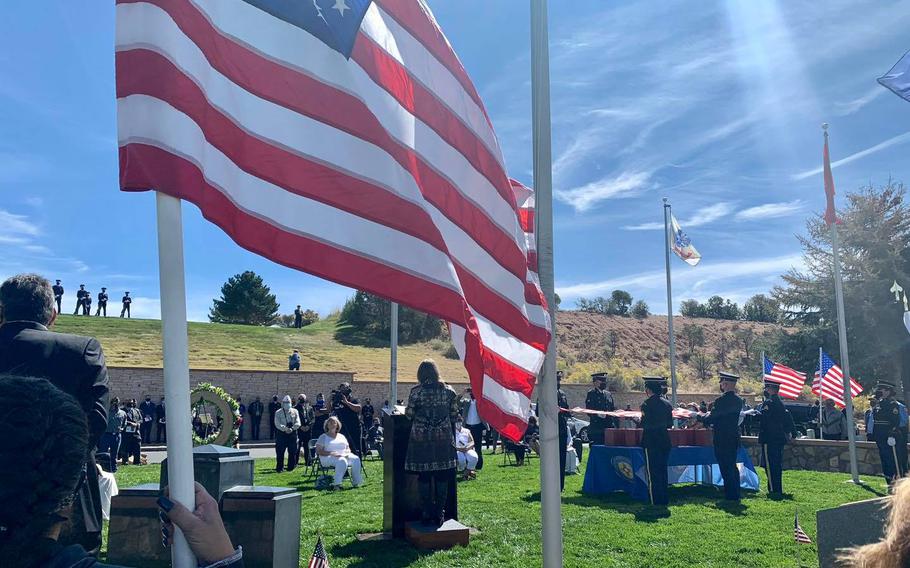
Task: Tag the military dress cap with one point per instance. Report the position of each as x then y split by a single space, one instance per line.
772 384
886 385
655 384
599 376
728 377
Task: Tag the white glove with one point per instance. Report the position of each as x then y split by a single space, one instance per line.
891 441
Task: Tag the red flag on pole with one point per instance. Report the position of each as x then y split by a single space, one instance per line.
830 213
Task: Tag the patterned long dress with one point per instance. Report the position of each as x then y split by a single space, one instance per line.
432 409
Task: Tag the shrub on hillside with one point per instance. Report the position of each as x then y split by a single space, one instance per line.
371 315
309 316
640 310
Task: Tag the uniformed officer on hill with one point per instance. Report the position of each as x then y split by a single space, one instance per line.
889 430
775 430
724 418
80 299
58 296
563 419
102 302
656 418
126 302
599 398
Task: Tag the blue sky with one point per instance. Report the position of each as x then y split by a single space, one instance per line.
716 106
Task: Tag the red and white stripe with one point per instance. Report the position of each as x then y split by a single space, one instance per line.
381 172
791 381
832 386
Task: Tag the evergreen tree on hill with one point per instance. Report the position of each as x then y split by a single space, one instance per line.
371 315
245 299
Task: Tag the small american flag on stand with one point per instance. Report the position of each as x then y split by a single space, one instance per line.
320 558
798 533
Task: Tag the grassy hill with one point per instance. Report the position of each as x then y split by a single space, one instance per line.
584 346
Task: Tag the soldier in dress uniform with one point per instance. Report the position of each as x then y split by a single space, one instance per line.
126 302
87 304
58 296
80 299
656 418
775 430
889 430
724 418
102 302
599 398
563 420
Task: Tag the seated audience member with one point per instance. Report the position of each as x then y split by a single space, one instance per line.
37 509
334 450
532 435
375 437
464 450
893 550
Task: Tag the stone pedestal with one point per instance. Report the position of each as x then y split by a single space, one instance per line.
266 522
134 533
852 524
218 468
424 537
401 502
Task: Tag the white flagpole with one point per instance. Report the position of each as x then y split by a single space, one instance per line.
393 370
176 367
821 401
842 338
550 497
670 303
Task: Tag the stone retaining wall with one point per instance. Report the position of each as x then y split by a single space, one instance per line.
822 455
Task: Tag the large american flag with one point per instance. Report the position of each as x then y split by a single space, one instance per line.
345 139
791 381
831 384
320 559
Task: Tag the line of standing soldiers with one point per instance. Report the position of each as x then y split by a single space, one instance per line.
725 417
84 301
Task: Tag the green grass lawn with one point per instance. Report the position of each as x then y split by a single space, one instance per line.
503 504
324 346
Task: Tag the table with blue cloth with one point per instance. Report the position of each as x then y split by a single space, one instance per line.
620 468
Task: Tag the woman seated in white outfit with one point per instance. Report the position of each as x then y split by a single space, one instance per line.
464 450
334 451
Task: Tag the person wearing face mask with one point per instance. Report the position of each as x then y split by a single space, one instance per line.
147 408
464 450
274 406
305 433
132 440
775 430
725 418
287 421
321 412
599 398
889 430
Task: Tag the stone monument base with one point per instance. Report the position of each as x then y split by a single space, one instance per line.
428 537
841 527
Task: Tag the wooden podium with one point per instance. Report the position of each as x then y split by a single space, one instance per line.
401 501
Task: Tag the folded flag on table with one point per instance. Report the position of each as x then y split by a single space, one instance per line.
791 381
681 244
344 139
320 558
897 80
798 533
831 384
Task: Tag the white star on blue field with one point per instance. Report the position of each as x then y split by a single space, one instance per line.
717 106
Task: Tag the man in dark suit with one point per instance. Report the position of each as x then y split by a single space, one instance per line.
74 364
80 299
126 301
656 419
599 398
102 302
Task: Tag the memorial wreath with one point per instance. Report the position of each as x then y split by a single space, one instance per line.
225 404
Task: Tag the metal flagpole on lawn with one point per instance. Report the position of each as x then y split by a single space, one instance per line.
176 368
670 303
821 401
550 496
393 359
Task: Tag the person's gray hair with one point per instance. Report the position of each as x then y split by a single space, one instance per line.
331 420
27 297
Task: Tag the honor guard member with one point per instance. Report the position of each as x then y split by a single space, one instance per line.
58 296
87 304
599 398
656 418
298 317
126 301
724 418
563 420
102 302
80 299
775 430
889 430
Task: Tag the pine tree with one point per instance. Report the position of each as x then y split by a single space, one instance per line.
245 299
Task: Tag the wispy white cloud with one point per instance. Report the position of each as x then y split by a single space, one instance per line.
37 249
626 184
13 224
770 210
703 216
899 139
850 107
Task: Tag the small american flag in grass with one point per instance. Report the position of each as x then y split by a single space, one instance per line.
320 558
798 533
